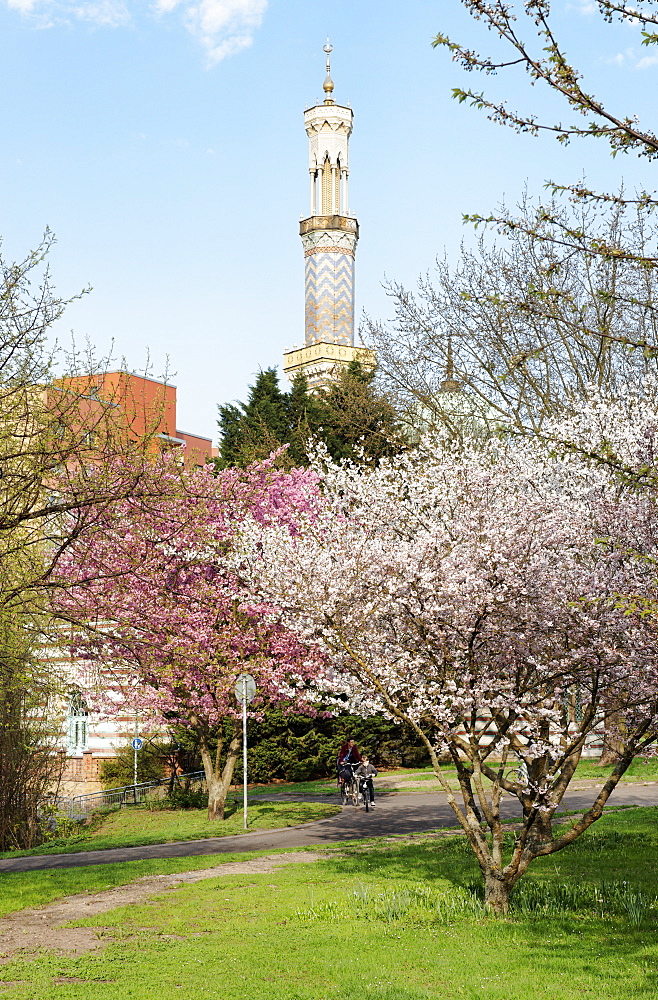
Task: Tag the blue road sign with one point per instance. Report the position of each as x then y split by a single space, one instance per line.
137 743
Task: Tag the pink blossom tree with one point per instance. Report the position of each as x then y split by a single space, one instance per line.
474 594
161 622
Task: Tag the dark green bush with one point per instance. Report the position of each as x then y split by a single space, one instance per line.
297 748
282 747
180 799
151 762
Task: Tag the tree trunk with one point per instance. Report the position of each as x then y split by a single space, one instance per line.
496 893
541 830
216 798
219 782
613 743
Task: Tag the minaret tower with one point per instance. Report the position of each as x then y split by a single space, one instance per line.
329 237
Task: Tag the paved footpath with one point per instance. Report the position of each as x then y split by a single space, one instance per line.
395 815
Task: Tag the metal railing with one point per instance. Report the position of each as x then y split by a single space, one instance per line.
79 806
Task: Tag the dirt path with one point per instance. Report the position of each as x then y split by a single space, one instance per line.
42 927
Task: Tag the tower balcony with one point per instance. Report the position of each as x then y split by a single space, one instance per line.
316 223
322 361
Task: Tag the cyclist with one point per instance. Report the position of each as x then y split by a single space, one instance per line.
365 772
348 758
348 754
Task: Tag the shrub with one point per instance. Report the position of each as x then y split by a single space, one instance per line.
296 748
119 770
180 799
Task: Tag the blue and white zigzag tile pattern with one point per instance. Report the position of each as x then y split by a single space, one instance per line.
330 297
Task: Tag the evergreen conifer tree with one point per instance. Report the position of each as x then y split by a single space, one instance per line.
350 416
230 435
250 431
357 419
305 415
266 408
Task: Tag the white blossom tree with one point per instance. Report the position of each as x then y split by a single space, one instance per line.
494 598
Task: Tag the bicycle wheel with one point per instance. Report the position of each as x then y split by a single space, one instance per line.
344 794
366 796
516 776
354 792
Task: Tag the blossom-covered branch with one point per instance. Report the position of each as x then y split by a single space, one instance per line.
473 592
161 621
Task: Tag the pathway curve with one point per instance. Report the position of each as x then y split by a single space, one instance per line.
395 815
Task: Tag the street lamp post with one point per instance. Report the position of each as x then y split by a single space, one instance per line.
245 692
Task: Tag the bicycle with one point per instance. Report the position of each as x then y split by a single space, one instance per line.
364 791
518 775
348 790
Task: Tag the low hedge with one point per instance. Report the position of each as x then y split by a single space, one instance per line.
281 746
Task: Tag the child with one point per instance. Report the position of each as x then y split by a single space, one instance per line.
365 772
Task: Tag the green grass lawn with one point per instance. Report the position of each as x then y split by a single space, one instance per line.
21 889
132 826
323 786
638 771
381 921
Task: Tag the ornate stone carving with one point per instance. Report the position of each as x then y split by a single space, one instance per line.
324 222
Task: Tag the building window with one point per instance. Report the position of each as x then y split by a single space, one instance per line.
77 725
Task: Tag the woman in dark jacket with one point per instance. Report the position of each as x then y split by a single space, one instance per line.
348 755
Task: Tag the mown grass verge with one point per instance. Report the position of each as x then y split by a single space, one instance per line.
587 770
22 889
393 921
134 826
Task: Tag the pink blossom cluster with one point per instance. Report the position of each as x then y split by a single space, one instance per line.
161 622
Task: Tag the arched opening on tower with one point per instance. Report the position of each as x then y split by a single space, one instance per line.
327 192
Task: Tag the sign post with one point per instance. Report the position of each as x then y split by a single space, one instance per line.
136 744
245 692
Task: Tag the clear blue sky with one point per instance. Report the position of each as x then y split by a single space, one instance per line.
164 145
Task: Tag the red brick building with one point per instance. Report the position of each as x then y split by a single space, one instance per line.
144 408
141 408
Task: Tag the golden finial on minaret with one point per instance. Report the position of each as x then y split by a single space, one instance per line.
328 85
